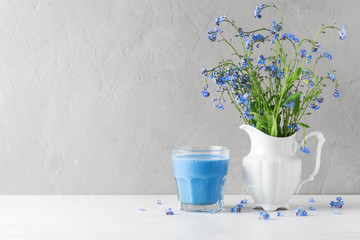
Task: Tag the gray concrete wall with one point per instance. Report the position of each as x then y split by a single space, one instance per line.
93 94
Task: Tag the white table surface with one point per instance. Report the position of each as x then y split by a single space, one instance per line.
118 217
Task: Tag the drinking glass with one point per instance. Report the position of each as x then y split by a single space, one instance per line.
200 174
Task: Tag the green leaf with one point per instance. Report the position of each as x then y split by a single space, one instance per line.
260 119
293 77
297 105
314 94
271 98
304 125
272 124
273 127
291 97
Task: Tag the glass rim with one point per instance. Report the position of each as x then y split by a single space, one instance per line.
200 148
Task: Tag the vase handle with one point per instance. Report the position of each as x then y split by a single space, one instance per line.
311 176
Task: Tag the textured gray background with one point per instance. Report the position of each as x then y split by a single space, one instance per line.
93 94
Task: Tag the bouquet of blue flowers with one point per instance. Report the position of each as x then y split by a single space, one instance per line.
272 93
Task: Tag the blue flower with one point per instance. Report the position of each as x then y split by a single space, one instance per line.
212 211
301 212
276 26
237 208
204 72
248 44
159 202
308 58
275 31
342 33
307 73
311 200
264 215
248 115
311 208
315 47
169 211
258 37
314 106
305 150
220 20
290 104
261 60
311 84
244 201
279 214
221 107
205 93
303 53
290 37
331 76
293 126
338 204
211 35
327 55
319 100
257 10
336 94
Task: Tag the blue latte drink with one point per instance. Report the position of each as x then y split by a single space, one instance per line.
200 177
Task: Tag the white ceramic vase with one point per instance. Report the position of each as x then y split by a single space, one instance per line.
271 171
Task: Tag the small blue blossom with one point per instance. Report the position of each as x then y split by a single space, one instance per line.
319 100
205 93
244 201
302 53
300 211
264 215
316 47
311 200
305 150
336 94
257 10
307 73
261 60
292 125
169 211
279 214
290 104
338 204
237 208
290 37
159 202
314 106
258 37
311 208
275 31
327 55
204 72
331 76
308 58
248 44
311 84
221 107
220 20
211 35
248 115
212 211
342 33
